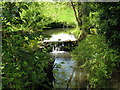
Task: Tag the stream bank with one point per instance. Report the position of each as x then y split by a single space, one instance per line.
67 71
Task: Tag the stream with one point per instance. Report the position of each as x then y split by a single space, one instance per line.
66 71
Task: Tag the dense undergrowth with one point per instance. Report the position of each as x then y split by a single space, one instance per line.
23 64
26 66
99 53
97 58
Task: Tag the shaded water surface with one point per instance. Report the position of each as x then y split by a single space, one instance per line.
66 72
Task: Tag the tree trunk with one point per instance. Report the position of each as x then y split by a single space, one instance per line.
79 12
75 12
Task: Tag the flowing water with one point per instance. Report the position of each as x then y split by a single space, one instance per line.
66 72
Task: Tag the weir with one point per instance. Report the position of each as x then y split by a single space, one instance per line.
60 42
65 70
60 46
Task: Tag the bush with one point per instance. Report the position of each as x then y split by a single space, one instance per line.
97 58
23 66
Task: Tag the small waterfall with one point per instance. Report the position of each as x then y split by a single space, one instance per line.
55 48
58 48
60 42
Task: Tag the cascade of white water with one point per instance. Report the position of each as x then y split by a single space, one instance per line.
58 48
53 49
62 46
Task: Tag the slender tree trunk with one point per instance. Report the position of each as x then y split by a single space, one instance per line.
79 12
83 21
75 13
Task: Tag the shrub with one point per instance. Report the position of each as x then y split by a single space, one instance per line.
23 67
97 58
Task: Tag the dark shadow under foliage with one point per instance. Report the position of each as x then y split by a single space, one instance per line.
23 65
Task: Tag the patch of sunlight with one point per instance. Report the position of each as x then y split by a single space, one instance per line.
61 37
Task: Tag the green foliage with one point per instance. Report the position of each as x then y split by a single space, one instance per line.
59 12
76 32
24 15
99 54
23 66
97 58
37 15
105 17
93 31
23 63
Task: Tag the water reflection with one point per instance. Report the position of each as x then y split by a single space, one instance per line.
61 37
66 73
